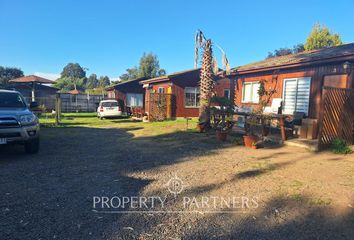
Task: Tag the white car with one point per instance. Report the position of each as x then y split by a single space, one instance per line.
109 109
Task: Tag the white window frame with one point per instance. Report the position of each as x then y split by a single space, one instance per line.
243 92
196 91
297 79
135 96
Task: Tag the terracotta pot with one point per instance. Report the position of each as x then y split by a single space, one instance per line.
201 128
249 140
254 147
221 136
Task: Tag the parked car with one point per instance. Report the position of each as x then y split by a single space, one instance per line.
18 124
109 109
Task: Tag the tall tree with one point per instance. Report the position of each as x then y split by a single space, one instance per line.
131 73
320 37
72 77
92 81
149 67
104 81
73 70
207 72
286 51
69 83
8 73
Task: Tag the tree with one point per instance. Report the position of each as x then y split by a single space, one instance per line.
73 70
104 82
132 73
92 81
8 73
208 69
298 48
69 83
149 67
321 37
286 51
72 77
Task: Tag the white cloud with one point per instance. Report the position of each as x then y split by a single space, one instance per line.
114 79
50 76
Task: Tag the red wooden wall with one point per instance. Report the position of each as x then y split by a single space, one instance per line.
317 74
178 86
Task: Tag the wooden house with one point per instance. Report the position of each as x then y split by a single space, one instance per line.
129 93
297 78
183 87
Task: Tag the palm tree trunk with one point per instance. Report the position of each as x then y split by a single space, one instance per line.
206 83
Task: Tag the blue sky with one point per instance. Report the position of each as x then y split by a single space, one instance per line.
109 36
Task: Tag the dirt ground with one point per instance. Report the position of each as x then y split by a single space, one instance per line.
220 190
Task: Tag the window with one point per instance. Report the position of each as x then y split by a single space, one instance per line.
227 93
296 95
191 97
134 100
161 90
250 92
11 100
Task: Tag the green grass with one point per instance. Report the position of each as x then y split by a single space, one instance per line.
90 120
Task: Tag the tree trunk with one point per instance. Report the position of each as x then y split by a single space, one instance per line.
206 83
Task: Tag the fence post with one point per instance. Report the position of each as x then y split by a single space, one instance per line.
168 106
57 109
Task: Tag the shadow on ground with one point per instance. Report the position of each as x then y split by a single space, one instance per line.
50 195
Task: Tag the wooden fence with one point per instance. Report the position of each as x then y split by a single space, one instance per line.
161 106
337 118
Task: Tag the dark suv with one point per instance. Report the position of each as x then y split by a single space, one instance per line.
17 123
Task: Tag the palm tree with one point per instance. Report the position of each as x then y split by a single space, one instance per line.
207 74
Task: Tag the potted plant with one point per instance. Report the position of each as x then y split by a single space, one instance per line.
257 117
221 132
201 127
254 145
220 111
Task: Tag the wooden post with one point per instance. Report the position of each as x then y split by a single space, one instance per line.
282 129
57 109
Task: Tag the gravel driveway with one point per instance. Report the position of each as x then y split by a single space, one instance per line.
300 195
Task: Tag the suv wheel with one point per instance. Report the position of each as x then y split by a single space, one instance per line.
32 146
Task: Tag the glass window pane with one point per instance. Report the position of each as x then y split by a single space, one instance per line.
255 95
247 92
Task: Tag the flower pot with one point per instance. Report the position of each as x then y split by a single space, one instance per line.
221 136
249 140
254 147
200 128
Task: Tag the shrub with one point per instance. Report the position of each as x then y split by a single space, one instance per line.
339 146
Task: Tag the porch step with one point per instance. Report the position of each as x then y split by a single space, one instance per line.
310 144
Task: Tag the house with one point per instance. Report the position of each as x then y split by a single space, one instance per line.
183 87
297 78
129 93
